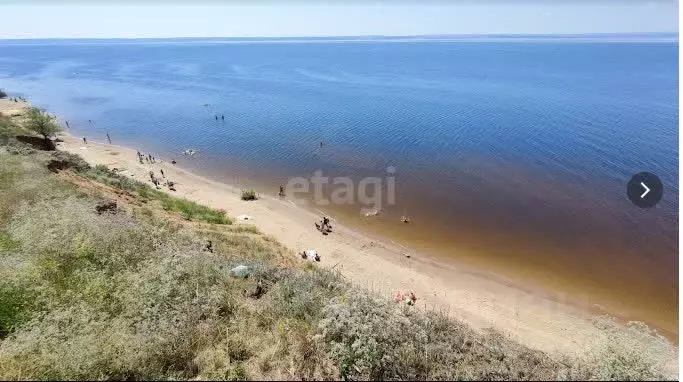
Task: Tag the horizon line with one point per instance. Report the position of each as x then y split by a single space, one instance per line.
375 36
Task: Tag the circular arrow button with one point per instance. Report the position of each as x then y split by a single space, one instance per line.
645 189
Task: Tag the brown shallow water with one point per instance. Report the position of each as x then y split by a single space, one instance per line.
595 250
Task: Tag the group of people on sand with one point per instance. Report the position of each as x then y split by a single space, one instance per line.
324 226
409 298
157 182
149 158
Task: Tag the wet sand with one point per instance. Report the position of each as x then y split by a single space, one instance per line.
595 250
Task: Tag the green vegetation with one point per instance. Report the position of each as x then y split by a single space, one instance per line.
39 122
189 210
3 94
138 295
249 195
7 128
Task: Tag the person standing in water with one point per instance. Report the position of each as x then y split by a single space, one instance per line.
67 125
222 117
108 138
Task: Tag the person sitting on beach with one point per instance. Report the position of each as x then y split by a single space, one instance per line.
399 297
326 223
412 299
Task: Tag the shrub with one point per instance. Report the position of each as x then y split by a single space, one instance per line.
320 285
634 352
372 338
3 94
39 122
249 195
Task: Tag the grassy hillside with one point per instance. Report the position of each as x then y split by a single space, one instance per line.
133 292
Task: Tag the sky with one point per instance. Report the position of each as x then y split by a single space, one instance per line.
149 18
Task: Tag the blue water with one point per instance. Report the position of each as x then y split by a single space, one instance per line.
521 141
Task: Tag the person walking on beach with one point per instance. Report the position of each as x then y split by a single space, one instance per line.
85 140
108 138
162 172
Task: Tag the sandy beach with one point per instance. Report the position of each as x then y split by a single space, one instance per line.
479 298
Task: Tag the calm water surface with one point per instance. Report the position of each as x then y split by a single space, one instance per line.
512 154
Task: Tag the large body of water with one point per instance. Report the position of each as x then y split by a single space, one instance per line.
510 153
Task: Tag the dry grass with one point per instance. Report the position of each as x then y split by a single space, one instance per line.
136 295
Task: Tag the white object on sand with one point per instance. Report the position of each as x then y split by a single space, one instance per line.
370 212
312 255
244 217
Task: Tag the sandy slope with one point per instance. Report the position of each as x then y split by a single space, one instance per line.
481 299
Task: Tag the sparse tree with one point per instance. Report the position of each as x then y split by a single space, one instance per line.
3 94
38 121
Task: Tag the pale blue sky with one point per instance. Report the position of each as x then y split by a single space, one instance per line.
80 19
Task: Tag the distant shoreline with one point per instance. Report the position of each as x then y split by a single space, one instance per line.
588 37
